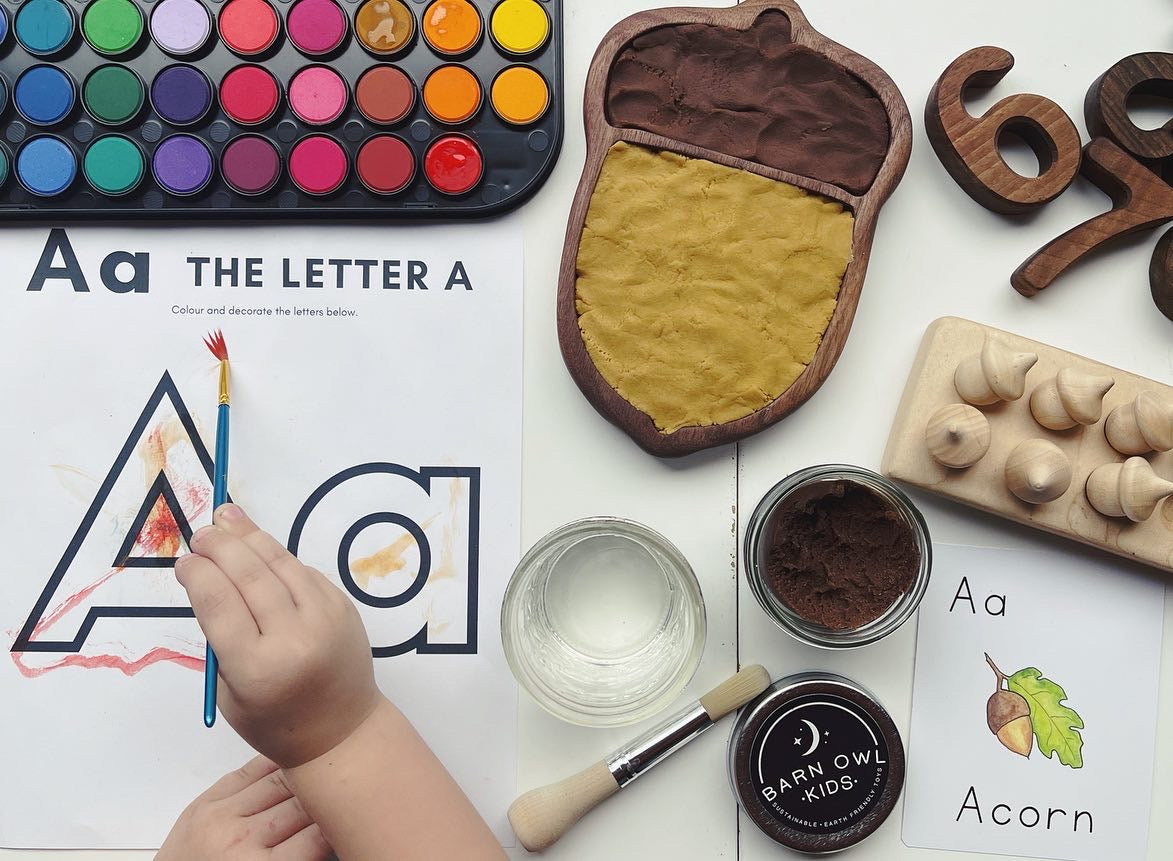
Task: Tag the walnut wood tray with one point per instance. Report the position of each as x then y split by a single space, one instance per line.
947 342
865 206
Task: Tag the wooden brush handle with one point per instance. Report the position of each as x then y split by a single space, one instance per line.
541 816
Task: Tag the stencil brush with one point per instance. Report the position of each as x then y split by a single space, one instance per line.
215 343
541 816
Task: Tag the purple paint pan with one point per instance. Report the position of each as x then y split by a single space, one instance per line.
181 27
182 164
181 95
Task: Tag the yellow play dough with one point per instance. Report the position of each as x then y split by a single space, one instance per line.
703 291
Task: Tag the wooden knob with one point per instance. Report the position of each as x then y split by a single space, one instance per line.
1144 424
541 816
1130 489
1038 471
995 374
958 436
1070 398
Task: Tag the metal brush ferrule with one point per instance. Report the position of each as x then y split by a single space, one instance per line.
224 383
632 760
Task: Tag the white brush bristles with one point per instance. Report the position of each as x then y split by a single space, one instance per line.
735 691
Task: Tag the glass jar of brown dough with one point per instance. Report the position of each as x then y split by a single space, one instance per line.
837 555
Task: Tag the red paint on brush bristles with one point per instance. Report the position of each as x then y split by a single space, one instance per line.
215 342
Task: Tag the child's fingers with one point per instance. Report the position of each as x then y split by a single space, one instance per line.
306 845
264 593
262 795
281 822
296 577
234 781
219 607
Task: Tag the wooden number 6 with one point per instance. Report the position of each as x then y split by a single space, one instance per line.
968 146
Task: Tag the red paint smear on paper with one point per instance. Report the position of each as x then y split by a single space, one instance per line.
89 662
110 662
160 533
69 603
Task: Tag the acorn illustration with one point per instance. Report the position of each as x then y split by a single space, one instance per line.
1008 716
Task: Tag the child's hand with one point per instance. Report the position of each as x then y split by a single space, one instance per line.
296 675
248 815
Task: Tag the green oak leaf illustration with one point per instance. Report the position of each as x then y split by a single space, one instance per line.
1056 726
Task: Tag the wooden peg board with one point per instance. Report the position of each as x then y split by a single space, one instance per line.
930 387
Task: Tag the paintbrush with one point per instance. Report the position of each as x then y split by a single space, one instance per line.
215 342
541 816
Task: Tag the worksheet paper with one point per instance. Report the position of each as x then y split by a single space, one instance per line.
1077 636
376 429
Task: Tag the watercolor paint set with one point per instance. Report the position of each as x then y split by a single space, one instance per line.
271 108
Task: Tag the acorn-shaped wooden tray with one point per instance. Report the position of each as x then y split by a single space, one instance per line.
737 160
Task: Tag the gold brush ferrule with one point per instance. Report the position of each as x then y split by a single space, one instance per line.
224 398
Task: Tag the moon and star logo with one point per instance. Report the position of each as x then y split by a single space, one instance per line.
816 738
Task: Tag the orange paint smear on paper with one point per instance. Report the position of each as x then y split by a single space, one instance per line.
153 450
445 566
195 497
383 562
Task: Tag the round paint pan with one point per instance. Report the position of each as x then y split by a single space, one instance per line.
250 95
44 94
454 165
182 165
318 95
46 166
519 27
452 95
114 165
250 164
5 26
452 27
317 27
5 165
180 27
249 27
384 27
3 95
385 95
182 95
520 95
112 27
44 27
385 164
113 94
318 165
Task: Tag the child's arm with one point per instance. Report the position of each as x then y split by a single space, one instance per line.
297 682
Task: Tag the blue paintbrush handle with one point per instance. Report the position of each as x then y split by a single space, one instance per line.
219 497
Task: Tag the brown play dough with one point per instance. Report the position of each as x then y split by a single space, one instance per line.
704 291
753 94
839 555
